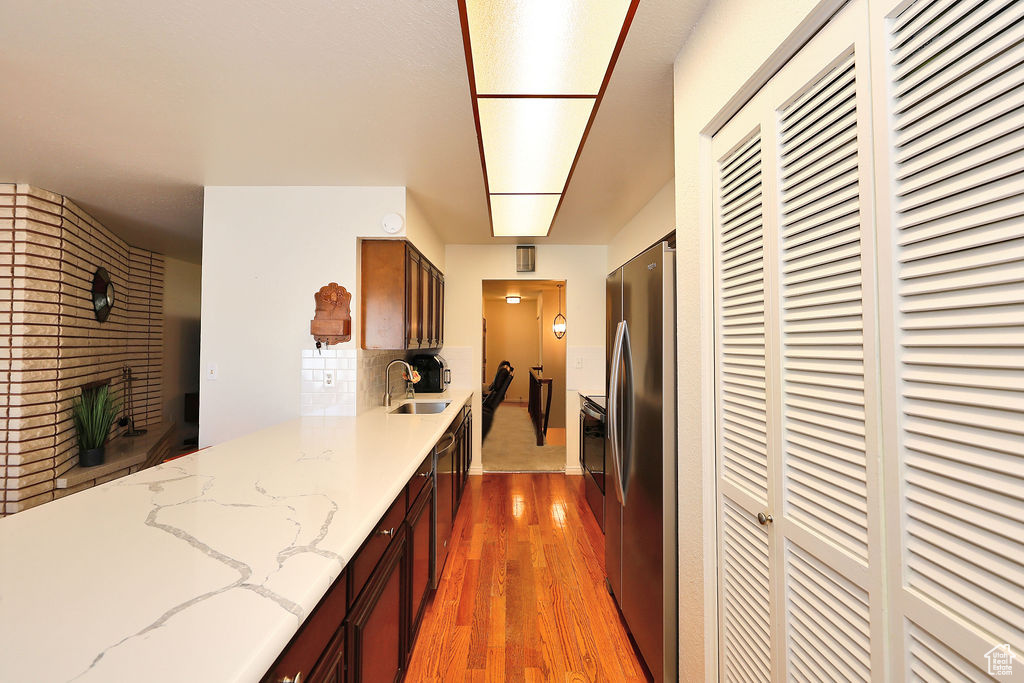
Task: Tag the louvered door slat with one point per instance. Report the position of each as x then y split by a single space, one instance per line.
741 307
825 439
915 16
976 22
932 660
973 69
959 282
745 611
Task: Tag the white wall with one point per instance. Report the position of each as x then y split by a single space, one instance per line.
512 335
420 232
656 219
182 305
583 269
266 251
730 43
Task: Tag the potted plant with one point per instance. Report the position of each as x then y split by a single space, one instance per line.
94 414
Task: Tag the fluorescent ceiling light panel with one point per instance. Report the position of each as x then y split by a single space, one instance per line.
523 215
530 143
543 47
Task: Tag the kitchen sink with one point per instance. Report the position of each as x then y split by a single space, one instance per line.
420 408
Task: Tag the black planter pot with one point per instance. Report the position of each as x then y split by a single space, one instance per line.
90 457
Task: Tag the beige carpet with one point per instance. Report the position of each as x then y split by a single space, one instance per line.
511 445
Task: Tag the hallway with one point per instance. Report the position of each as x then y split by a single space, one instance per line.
523 595
511 445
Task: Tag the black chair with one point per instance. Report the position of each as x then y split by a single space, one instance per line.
496 394
503 365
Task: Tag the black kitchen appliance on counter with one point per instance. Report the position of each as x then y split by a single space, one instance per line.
592 438
434 374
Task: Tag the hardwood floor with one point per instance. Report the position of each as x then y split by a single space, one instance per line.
523 597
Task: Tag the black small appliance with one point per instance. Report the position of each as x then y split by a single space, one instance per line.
434 374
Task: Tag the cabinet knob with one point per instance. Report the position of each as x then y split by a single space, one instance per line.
297 678
382 532
423 474
764 519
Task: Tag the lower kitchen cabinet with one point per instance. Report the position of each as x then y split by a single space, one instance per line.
420 532
365 626
331 667
376 650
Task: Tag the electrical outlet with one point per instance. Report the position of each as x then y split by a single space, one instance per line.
211 371
328 378
579 362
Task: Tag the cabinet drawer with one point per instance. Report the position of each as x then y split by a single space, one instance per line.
366 559
420 479
309 645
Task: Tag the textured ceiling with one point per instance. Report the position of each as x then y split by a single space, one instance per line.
130 108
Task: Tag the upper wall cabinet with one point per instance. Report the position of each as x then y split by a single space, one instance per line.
402 295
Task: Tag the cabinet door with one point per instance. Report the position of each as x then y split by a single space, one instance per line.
420 537
440 309
430 329
413 300
436 307
425 287
469 441
315 641
375 633
331 667
462 460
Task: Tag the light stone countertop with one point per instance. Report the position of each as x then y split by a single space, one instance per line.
203 568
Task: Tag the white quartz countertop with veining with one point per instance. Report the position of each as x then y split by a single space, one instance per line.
201 569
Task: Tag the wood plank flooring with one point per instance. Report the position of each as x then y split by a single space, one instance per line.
522 597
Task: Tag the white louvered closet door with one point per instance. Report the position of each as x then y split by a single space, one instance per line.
949 94
800 597
742 414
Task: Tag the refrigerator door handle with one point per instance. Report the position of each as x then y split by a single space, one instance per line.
628 418
613 410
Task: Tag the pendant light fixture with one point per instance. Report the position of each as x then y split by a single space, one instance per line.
558 326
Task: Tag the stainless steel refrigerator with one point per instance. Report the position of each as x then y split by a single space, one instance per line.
641 545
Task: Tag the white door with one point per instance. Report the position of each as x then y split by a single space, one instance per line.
949 94
800 549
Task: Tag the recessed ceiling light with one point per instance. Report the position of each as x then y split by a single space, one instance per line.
537 73
522 215
512 299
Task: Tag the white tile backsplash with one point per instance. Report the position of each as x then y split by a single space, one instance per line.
369 378
316 398
359 380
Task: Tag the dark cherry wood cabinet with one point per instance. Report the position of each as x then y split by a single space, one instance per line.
375 632
366 624
420 536
401 296
305 657
463 457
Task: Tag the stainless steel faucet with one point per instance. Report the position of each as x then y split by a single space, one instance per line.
387 381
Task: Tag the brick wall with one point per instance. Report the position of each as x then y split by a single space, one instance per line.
50 341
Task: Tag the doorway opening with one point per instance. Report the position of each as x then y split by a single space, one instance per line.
523 375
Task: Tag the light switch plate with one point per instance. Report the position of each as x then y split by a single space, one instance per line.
211 371
579 362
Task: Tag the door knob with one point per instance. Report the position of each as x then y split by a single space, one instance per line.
764 519
387 532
